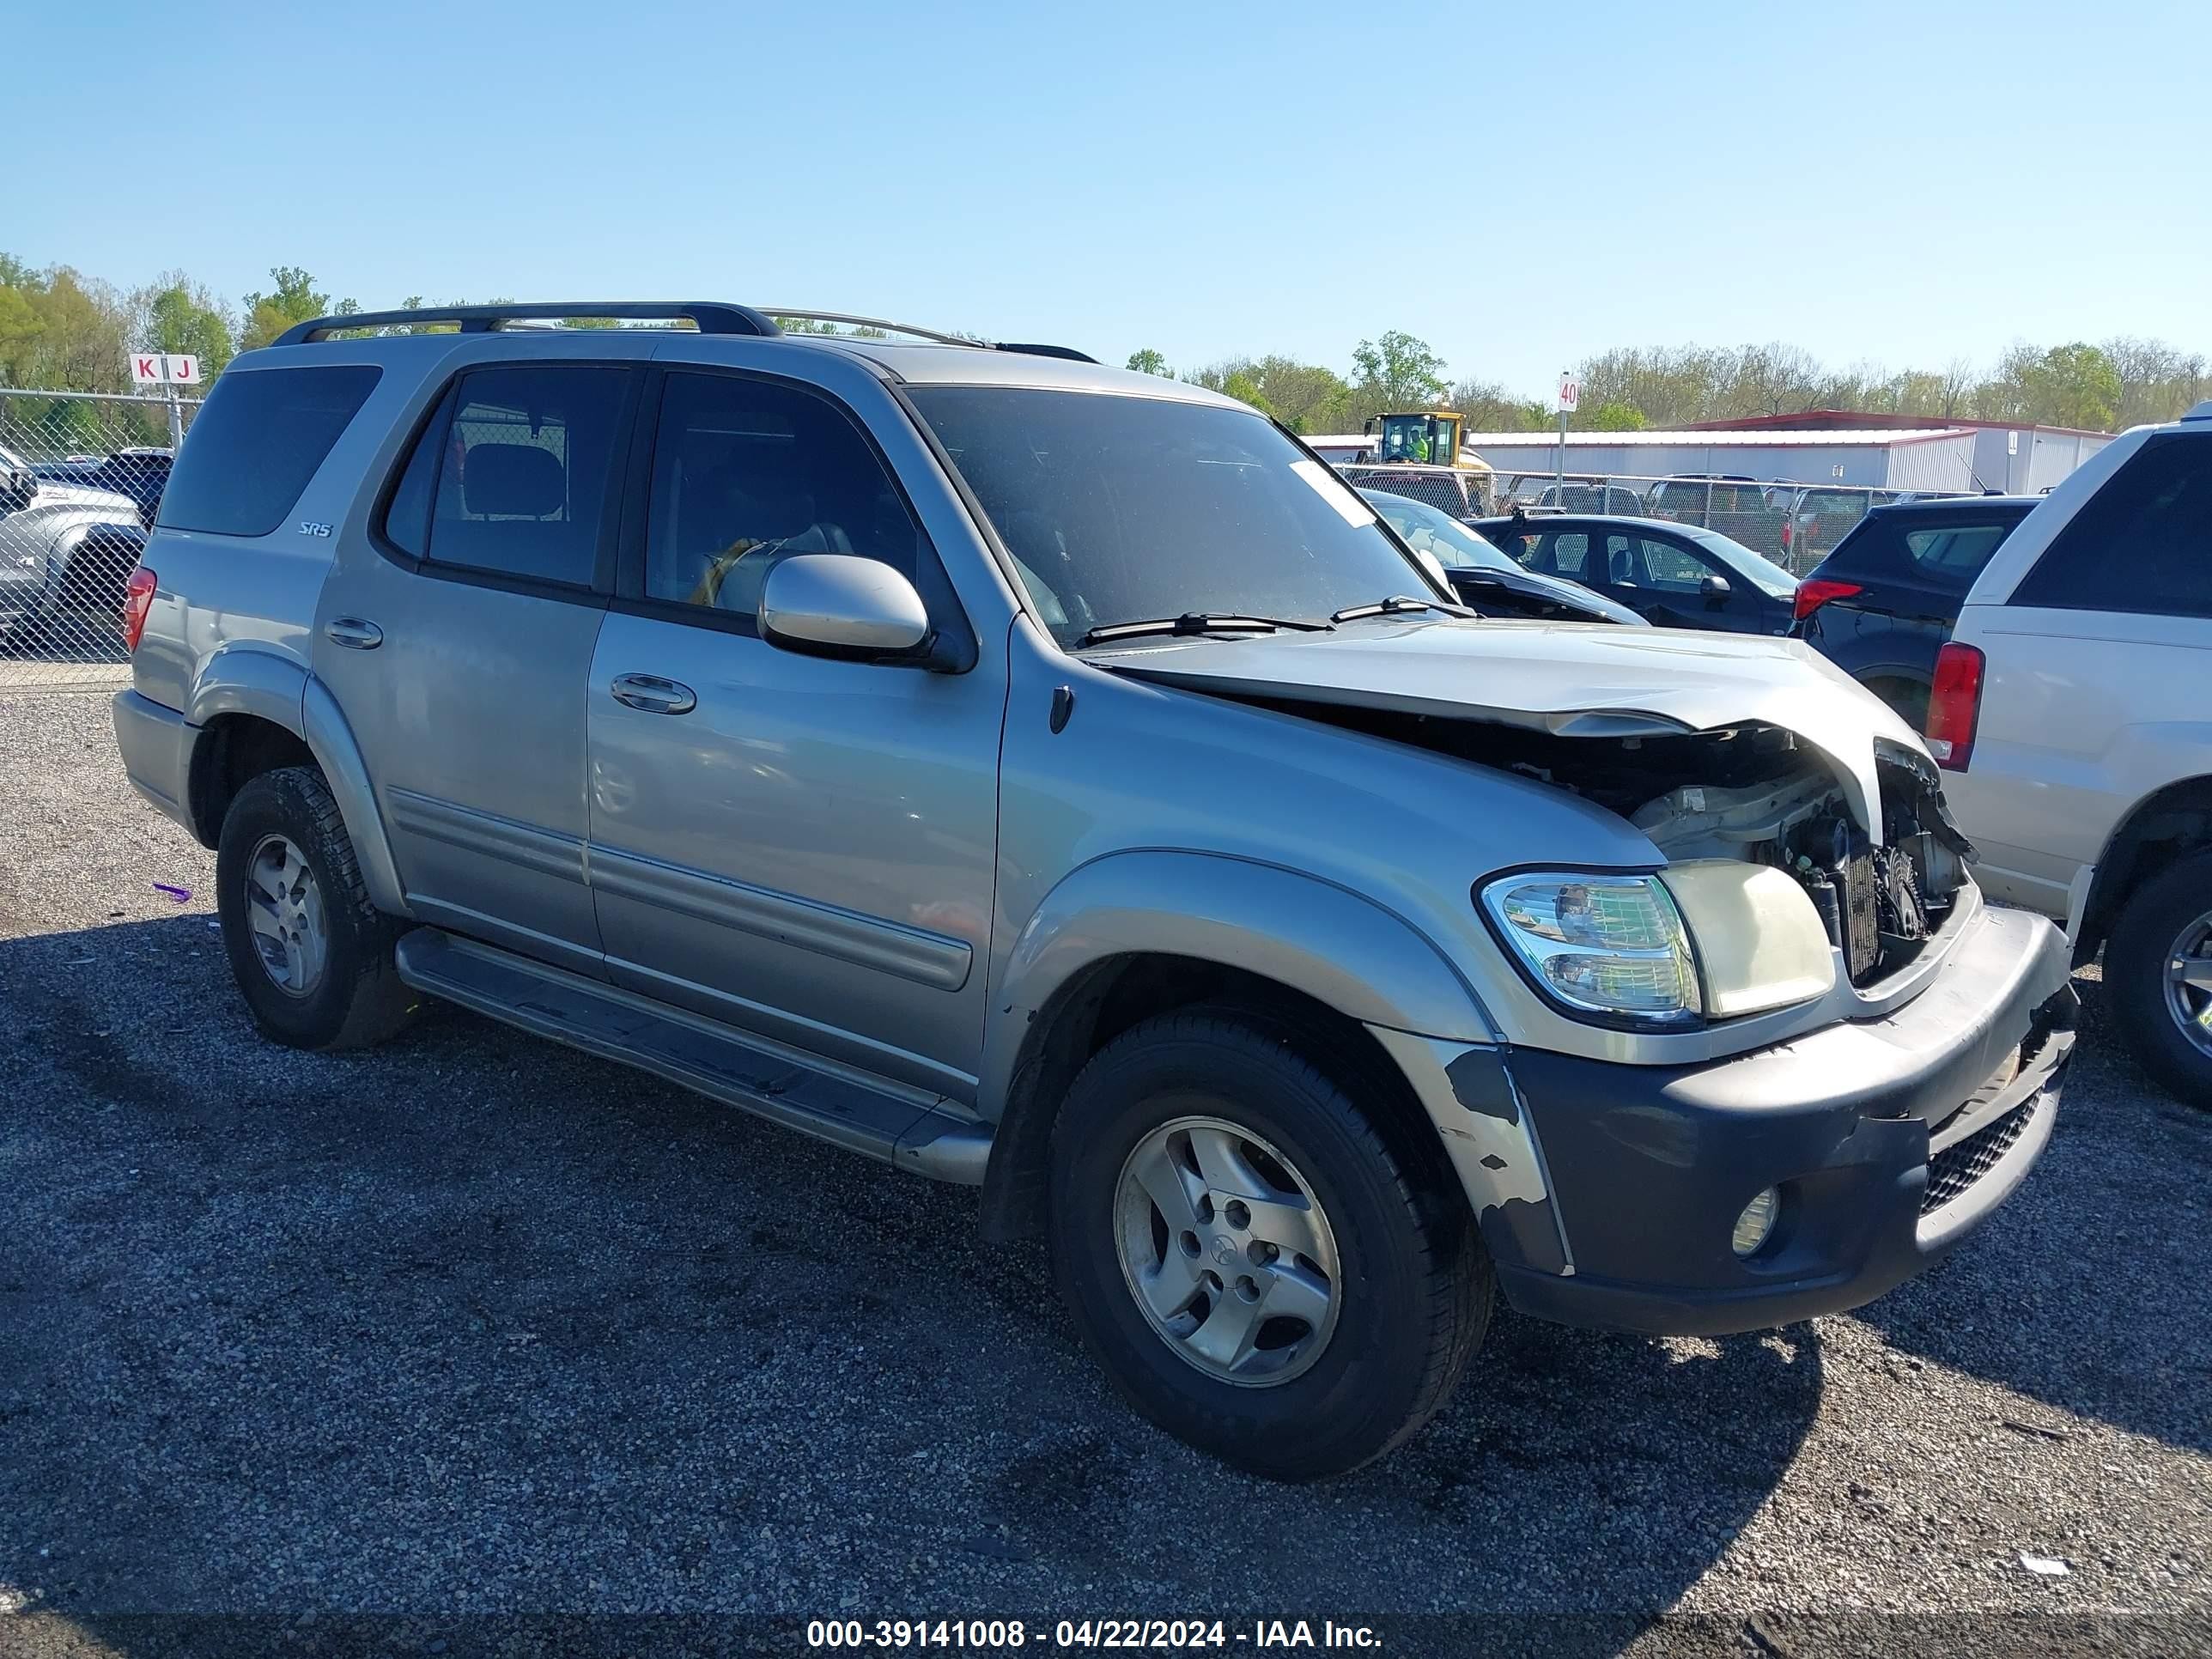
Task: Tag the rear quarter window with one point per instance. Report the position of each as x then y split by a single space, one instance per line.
1946 553
2141 544
257 442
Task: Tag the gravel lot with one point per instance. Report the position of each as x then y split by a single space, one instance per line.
474 1325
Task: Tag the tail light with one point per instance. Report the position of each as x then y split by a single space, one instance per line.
1812 595
1954 705
137 601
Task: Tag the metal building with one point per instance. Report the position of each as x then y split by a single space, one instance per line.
1879 451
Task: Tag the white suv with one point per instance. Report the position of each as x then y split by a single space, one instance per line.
2073 708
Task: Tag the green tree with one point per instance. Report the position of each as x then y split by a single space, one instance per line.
1616 416
1396 372
1242 386
1149 361
293 299
175 313
2074 385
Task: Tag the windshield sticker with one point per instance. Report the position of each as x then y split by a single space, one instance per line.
1333 490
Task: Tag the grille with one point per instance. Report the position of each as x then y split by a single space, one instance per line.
1963 1163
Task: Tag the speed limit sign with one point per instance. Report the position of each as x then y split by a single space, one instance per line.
1570 393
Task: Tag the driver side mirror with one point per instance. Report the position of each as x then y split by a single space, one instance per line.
17 486
835 604
1715 589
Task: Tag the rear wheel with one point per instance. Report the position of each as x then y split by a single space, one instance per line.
2157 972
312 957
1262 1266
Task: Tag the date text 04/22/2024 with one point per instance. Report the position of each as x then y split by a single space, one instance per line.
1001 1634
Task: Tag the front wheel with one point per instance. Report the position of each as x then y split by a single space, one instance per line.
2157 972
1261 1266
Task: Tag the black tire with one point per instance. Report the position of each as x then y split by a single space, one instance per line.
1415 1283
359 998
2136 957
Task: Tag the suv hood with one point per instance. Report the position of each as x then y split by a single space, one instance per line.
1569 680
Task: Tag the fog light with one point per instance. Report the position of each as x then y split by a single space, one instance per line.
1756 1222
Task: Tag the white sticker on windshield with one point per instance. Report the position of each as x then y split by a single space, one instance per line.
1333 490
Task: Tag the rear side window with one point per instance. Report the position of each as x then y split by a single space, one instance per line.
257 442
2143 544
1946 553
513 476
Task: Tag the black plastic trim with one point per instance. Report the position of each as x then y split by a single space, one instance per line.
708 316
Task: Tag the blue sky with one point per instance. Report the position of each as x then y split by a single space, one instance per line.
1900 184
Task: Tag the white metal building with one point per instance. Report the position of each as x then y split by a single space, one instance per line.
1816 448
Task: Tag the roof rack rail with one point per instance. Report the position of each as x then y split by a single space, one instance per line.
708 316
800 315
934 335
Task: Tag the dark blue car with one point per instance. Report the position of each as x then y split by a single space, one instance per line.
1673 575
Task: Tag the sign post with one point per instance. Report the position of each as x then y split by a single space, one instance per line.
1570 395
168 370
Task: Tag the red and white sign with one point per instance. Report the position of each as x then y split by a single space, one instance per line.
164 369
1570 393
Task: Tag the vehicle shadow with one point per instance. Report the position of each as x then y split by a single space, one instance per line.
2104 1243
474 1322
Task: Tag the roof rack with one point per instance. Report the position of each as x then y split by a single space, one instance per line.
708 316
933 335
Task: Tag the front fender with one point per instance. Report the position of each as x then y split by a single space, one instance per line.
1333 945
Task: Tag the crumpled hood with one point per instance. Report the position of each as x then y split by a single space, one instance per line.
1572 679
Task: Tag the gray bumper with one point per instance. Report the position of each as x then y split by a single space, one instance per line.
157 745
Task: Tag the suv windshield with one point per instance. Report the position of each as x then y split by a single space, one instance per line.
1120 509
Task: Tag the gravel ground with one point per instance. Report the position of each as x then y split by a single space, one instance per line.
473 1325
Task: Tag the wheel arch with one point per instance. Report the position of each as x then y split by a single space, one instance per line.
2170 823
1137 934
256 710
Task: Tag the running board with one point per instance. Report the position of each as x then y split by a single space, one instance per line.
910 1129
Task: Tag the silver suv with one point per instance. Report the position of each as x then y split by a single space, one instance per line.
1056 780
2068 709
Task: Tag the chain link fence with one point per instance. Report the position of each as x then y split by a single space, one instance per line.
81 474
1795 524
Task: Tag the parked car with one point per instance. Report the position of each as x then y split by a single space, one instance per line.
1457 490
1744 510
1585 497
141 474
60 542
1674 576
2069 709
1484 577
1051 777
1880 606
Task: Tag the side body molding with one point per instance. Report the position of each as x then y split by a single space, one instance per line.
1322 940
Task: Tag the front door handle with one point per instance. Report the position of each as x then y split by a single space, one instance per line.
355 633
653 695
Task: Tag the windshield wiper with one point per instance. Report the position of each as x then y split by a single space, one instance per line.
1393 606
1193 624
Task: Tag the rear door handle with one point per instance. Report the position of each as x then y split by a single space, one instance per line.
653 695
355 633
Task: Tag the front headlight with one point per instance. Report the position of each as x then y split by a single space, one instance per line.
1620 945
1604 945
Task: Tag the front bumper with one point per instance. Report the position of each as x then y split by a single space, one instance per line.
1890 1140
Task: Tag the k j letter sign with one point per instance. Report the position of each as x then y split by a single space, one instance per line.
164 369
